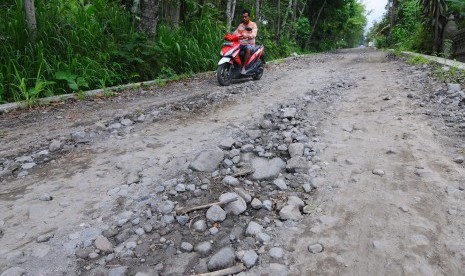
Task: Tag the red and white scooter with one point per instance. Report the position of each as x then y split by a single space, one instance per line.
230 64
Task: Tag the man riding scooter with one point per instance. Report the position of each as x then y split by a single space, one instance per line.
248 30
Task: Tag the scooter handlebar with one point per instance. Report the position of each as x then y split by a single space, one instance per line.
232 37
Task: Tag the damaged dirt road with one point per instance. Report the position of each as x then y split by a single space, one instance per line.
347 163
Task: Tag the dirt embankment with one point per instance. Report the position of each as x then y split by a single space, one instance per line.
341 163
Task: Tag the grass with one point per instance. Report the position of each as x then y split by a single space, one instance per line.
418 60
449 74
83 45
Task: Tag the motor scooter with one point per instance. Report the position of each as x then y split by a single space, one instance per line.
230 64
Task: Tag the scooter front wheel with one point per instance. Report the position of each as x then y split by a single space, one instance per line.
223 74
259 73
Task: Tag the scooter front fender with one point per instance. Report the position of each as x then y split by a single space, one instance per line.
224 60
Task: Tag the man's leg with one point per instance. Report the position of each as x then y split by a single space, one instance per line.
246 58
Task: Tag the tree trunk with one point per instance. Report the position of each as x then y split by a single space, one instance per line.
228 16
149 17
294 11
173 13
315 24
436 29
286 14
31 19
392 19
257 10
278 31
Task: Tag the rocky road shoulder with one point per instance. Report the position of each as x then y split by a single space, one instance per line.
192 178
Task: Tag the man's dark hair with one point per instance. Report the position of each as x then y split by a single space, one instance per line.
246 11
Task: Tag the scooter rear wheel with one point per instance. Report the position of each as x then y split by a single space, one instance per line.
223 74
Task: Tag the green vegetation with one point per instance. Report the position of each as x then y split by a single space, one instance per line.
418 60
417 26
88 44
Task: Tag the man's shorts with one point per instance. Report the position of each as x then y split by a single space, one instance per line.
248 46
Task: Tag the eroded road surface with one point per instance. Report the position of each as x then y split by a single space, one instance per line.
345 163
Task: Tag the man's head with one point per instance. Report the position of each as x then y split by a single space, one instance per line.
245 17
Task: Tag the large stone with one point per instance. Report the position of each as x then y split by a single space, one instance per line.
166 207
207 160
297 164
222 259
231 181
290 212
266 169
244 194
253 228
103 244
249 258
216 214
236 207
289 112
203 249
296 149
227 143
118 271
281 184
294 200
200 226
453 87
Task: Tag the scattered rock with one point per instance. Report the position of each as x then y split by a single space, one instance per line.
216 214
200 226
45 197
253 228
289 112
250 258
103 244
315 248
297 164
236 207
256 204
45 237
118 271
378 172
231 181
459 159
281 184
207 160
127 122
296 149
222 259
203 249
267 169
227 143
276 252
244 194
290 212
186 247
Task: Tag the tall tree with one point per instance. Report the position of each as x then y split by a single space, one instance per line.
316 23
286 14
392 19
31 19
173 9
149 17
230 9
257 9
434 9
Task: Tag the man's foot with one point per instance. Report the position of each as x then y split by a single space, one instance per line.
243 72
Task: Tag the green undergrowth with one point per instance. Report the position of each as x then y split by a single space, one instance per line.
85 45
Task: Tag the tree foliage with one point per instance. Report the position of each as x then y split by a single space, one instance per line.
86 44
419 24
